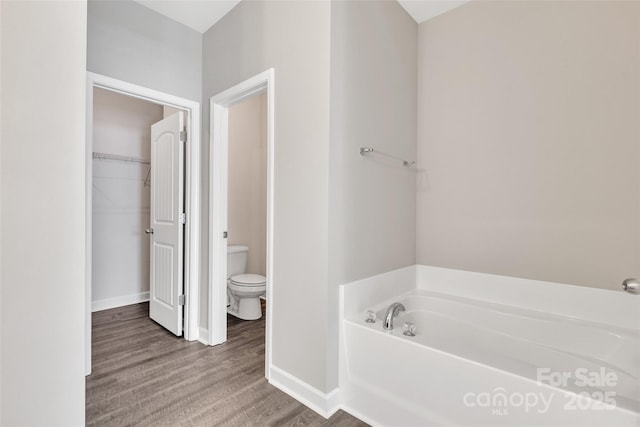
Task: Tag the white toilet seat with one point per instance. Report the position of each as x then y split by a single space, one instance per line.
248 280
247 283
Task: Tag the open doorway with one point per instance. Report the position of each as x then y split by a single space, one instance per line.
120 198
256 89
142 176
247 209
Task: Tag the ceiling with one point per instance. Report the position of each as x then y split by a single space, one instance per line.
422 10
197 14
202 14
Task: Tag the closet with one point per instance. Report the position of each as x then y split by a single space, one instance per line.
121 198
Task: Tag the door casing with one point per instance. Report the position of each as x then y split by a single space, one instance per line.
192 198
218 167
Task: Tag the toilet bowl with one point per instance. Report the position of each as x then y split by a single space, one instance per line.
243 289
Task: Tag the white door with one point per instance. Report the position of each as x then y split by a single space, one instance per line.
167 228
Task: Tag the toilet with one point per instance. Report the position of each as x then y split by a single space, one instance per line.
243 289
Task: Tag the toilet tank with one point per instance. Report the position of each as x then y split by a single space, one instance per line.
236 259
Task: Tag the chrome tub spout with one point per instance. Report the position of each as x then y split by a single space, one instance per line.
392 312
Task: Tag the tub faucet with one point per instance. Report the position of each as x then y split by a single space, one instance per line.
392 312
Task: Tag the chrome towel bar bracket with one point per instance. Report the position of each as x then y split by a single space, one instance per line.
631 286
368 150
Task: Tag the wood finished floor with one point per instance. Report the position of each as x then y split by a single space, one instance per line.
143 375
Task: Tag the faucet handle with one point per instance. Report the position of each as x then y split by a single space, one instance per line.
409 329
370 316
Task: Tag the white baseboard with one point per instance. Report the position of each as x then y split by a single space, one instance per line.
203 333
359 415
105 304
325 404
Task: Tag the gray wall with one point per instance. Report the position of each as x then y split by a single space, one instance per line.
374 48
292 37
373 104
366 207
132 43
43 207
528 131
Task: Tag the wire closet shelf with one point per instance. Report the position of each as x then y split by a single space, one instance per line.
119 158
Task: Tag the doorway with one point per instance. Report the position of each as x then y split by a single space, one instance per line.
247 208
181 250
219 203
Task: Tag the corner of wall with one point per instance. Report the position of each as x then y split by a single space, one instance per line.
325 404
372 200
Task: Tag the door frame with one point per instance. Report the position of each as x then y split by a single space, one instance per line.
218 166
192 197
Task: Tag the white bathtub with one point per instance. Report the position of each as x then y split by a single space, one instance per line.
477 362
